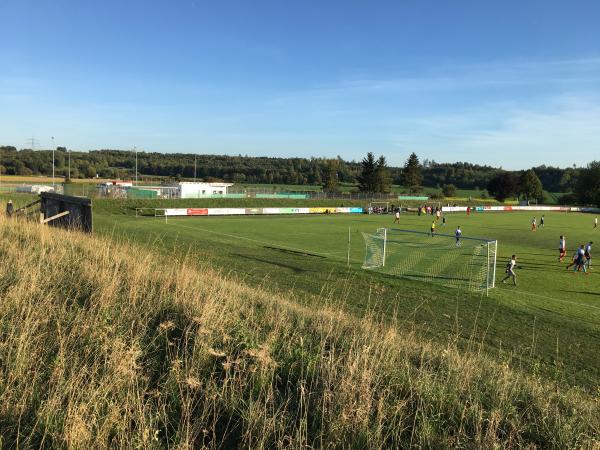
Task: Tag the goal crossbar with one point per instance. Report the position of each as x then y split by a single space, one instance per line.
441 234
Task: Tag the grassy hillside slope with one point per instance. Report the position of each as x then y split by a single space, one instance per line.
103 344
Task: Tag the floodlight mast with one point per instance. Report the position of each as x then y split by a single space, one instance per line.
53 148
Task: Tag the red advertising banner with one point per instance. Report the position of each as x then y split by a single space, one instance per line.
197 211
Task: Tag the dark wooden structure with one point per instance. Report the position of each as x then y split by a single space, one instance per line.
65 211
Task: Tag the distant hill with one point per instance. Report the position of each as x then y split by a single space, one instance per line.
246 169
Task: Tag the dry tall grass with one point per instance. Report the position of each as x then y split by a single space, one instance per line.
109 345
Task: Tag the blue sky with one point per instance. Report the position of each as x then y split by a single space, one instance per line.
511 83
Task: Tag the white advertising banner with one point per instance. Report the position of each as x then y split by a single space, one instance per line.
226 211
176 212
271 210
253 211
518 208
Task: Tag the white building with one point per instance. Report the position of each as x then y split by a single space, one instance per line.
190 189
34 189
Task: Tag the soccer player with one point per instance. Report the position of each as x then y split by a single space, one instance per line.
458 234
432 228
562 248
397 216
578 259
444 219
595 222
510 270
588 255
533 224
542 221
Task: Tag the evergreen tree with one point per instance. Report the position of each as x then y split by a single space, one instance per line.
383 179
412 173
367 177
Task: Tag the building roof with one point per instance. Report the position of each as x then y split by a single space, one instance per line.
201 183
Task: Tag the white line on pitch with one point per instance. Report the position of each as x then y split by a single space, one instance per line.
256 240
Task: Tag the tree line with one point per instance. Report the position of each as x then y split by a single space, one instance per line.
371 174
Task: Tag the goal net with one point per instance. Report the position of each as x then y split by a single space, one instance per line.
468 264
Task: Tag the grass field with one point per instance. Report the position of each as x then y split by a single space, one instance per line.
549 324
111 345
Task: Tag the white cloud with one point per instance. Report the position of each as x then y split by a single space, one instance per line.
563 131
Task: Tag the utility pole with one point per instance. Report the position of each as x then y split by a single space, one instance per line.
194 168
53 148
69 150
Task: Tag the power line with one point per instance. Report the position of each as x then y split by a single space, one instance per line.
32 143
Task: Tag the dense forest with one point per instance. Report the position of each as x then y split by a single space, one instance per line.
245 169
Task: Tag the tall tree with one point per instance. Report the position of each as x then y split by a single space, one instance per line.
503 186
412 173
530 186
587 187
367 177
383 178
449 190
330 183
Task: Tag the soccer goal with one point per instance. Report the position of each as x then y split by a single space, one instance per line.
468 264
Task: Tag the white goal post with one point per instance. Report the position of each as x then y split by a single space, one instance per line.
468 263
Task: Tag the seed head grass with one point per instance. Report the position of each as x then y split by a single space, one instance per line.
106 344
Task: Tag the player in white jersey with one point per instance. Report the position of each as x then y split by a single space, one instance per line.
533 224
595 222
510 270
458 234
397 216
562 248
588 254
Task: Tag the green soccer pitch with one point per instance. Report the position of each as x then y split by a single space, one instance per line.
549 323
